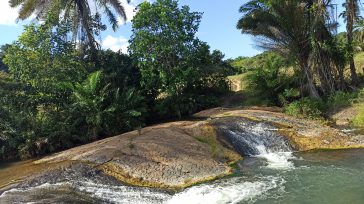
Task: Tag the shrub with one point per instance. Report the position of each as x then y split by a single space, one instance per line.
306 107
341 99
269 81
167 108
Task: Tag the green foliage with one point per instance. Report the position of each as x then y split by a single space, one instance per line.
176 68
246 64
189 104
118 69
301 31
41 59
49 101
163 42
85 22
341 99
104 110
3 49
358 120
270 80
88 102
307 108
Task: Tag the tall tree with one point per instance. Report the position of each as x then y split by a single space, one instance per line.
351 16
177 69
298 29
163 42
84 20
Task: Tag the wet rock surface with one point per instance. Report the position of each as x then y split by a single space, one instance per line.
179 154
169 155
302 134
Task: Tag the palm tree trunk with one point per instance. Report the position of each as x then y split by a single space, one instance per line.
311 85
309 77
354 75
351 12
342 85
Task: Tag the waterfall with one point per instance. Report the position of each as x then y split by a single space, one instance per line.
258 139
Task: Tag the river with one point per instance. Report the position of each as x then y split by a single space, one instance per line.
270 173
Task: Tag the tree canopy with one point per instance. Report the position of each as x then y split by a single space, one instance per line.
171 59
84 16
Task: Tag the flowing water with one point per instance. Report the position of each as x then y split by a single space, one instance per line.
271 173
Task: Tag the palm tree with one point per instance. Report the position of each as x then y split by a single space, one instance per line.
351 16
78 13
89 99
282 28
296 29
359 31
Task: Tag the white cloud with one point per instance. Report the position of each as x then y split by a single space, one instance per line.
115 44
8 15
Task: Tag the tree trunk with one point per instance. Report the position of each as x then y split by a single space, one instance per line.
311 84
309 77
342 85
351 12
354 75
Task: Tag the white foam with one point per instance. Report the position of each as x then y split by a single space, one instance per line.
230 190
42 186
276 160
108 193
124 194
234 190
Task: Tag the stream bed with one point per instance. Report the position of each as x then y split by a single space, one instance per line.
313 177
271 172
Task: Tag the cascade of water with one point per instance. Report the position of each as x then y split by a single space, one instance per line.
229 190
259 140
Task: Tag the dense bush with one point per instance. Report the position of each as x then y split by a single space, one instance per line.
50 101
3 67
341 100
271 81
307 108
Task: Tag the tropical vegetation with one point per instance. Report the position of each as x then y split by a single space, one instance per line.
59 89
56 95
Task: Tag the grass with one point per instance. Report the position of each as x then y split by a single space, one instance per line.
251 98
241 79
211 142
219 152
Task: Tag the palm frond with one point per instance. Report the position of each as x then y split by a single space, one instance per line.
76 12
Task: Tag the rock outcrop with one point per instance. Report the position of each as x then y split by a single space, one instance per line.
303 134
172 155
179 154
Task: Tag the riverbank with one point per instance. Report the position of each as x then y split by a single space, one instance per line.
180 154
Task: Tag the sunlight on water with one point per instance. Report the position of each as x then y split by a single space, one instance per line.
319 177
233 190
276 160
124 194
230 190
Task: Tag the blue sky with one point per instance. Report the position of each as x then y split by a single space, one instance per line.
218 27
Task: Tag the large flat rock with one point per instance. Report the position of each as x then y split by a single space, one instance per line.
179 154
170 155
